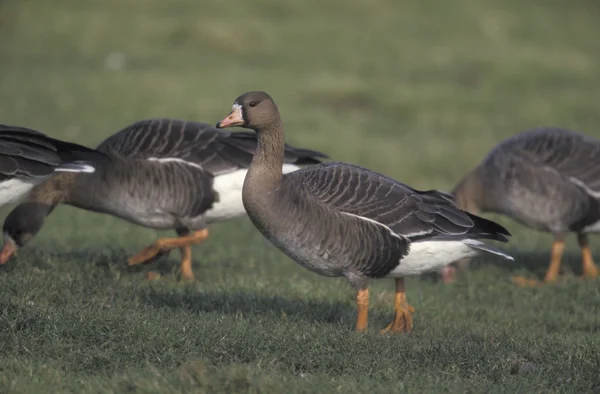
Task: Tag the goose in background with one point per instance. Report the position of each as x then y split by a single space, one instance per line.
547 179
161 174
338 219
28 157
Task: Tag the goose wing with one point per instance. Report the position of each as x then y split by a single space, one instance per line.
215 151
374 197
29 153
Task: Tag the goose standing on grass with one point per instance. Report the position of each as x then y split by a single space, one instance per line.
161 174
28 157
547 179
337 219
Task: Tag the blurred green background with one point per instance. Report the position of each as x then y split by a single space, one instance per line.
417 89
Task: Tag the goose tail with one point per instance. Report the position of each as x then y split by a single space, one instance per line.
476 244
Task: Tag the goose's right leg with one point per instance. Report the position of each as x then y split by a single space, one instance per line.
186 262
450 272
403 318
589 268
558 247
163 245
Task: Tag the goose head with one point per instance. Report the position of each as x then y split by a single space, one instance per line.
20 226
252 110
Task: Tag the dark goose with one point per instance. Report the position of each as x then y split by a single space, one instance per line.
162 174
547 179
337 219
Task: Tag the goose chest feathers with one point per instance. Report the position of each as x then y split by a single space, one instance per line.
339 219
162 174
545 178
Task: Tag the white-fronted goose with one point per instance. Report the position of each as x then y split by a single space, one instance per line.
547 179
28 157
338 219
161 174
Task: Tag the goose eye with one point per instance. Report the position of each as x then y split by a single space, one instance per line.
252 104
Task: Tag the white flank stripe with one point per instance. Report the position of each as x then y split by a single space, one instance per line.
582 185
76 168
594 227
401 236
374 222
175 160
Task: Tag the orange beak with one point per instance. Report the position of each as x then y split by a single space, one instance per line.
235 118
8 249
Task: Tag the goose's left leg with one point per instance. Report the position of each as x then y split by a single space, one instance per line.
186 264
589 268
450 272
163 245
403 318
362 304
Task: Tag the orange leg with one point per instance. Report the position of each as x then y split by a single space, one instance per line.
589 268
403 318
362 303
186 263
558 248
165 245
448 274
152 275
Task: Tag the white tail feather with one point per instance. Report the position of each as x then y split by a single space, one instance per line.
75 167
487 248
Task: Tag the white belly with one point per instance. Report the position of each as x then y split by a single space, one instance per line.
229 187
13 189
431 256
592 228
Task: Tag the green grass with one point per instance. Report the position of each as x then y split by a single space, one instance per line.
417 89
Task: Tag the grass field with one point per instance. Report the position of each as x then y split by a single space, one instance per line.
417 89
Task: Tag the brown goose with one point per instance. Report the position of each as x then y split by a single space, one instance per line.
337 219
161 174
547 179
28 157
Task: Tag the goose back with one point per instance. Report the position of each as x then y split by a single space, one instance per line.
216 151
546 178
165 173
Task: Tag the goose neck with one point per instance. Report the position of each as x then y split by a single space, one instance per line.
266 167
